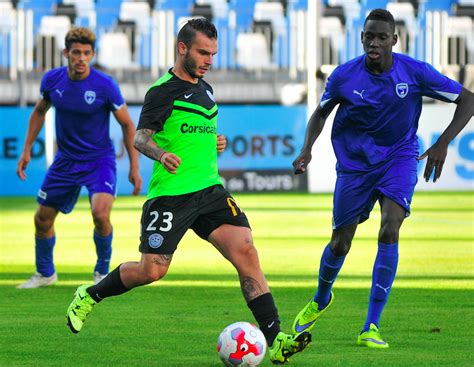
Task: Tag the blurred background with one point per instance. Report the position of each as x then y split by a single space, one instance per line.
273 60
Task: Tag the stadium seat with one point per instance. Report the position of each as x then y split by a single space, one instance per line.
180 8
129 28
404 15
85 11
56 26
139 12
460 31
50 41
438 5
107 12
463 27
7 16
68 10
336 11
414 3
264 27
403 11
203 10
114 51
253 51
219 7
297 5
332 30
368 5
181 21
464 8
243 12
7 27
272 12
469 77
40 8
350 8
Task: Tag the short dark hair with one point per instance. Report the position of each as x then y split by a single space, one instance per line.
80 35
383 15
187 34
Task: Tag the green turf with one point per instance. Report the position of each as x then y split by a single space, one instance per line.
428 320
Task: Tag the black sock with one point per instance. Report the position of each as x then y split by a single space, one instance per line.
111 285
266 314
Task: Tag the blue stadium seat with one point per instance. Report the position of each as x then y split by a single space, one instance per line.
181 8
40 8
299 4
368 5
107 12
243 13
7 26
438 5
85 11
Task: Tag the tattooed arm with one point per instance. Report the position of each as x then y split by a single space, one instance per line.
145 144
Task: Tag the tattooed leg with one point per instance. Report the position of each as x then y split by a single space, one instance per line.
251 289
151 268
164 259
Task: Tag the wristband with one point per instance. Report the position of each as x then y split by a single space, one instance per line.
162 157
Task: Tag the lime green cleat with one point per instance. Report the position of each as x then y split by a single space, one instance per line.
284 346
371 338
307 317
79 308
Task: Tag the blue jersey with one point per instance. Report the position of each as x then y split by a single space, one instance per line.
377 117
82 112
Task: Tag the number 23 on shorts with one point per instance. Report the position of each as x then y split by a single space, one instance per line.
166 221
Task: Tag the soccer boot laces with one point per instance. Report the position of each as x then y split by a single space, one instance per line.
306 318
285 345
79 308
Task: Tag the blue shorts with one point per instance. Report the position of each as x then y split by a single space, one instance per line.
356 194
65 178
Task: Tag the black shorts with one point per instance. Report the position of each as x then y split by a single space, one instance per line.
166 219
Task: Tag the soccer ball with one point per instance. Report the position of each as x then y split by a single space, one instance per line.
241 344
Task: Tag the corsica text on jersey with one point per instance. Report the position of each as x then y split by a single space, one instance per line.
197 129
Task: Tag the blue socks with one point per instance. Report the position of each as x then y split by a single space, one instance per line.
44 255
103 247
328 270
385 268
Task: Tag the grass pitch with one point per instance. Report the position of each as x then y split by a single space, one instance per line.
428 320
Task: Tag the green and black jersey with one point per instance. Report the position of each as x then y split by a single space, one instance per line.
184 118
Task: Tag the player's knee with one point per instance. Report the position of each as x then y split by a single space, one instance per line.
245 258
248 252
389 231
101 217
249 249
340 246
341 249
341 240
153 275
43 224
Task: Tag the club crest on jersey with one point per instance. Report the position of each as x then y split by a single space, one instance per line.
209 94
89 96
401 89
